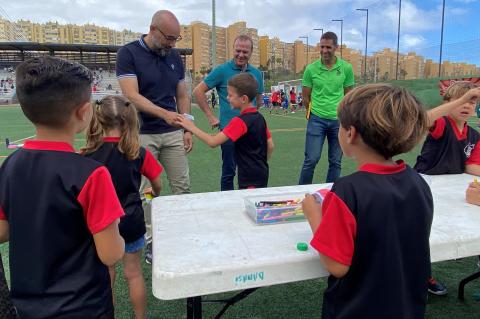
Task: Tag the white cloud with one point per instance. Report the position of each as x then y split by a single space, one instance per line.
456 11
410 41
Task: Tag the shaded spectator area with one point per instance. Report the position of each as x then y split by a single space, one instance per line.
98 58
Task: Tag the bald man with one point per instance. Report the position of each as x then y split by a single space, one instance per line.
151 75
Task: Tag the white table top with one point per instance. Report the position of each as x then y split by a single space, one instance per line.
206 243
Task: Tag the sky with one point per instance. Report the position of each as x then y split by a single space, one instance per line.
288 20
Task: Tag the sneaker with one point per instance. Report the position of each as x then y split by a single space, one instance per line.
293 112
436 288
148 252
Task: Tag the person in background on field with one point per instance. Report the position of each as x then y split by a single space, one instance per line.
218 79
266 101
325 82
293 99
152 76
213 99
299 101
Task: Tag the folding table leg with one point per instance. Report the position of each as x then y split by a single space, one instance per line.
461 286
194 307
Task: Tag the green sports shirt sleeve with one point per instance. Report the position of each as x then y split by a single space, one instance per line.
307 77
349 77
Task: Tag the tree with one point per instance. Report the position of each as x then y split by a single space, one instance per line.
278 61
204 71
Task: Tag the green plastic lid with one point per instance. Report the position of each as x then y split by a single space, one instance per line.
302 246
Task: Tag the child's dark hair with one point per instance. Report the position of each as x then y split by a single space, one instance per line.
245 84
389 119
49 89
457 90
114 111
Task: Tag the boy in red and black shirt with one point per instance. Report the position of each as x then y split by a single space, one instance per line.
249 131
63 231
451 146
372 220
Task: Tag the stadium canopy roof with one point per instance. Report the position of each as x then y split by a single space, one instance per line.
58 47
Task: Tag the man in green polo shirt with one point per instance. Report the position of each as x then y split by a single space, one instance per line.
218 78
325 82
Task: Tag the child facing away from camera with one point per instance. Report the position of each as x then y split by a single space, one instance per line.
58 210
113 140
451 146
370 222
249 131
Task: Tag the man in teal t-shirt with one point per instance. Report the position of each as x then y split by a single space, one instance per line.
325 82
218 78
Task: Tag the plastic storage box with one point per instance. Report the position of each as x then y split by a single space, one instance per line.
273 209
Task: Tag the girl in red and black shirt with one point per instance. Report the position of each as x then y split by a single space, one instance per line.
112 139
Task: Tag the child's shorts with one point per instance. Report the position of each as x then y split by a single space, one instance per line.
135 246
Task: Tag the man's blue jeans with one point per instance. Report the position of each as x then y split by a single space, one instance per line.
317 129
228 166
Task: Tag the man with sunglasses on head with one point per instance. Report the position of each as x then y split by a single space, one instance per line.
151 75
218 78
325 82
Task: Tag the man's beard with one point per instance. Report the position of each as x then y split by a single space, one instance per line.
161 50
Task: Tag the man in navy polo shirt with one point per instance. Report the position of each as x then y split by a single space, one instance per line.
151 75
218 78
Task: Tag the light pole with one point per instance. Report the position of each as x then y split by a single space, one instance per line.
341 35
441 41
214 37
305 37
366 46
398 36
318 29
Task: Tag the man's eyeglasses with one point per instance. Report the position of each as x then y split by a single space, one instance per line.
169 37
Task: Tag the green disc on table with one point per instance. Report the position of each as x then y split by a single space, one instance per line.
302 246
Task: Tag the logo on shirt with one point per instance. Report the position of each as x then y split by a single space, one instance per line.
468 149
172 66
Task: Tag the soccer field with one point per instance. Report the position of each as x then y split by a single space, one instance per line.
297 300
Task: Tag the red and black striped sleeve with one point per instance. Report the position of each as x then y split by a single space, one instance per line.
235 129
436 131
150 166
269 135
474 158
336 233
99 200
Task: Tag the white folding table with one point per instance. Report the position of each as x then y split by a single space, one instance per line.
205 243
